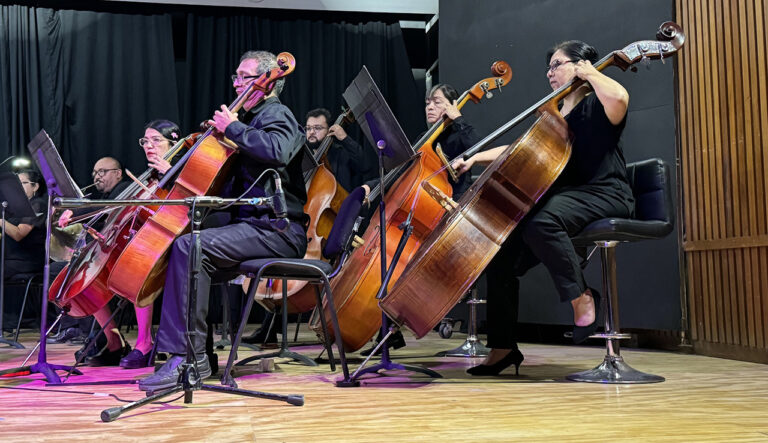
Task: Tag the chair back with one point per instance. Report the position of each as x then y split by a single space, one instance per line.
652 189
345 225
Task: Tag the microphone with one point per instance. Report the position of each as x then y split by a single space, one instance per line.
279 206
278 203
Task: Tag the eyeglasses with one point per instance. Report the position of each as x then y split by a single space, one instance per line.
553 67
143 141
237 78
100 172
317 128
27 183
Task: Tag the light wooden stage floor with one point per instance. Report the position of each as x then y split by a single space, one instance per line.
703 399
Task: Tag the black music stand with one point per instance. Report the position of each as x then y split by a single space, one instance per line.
393 149
59 184
15 201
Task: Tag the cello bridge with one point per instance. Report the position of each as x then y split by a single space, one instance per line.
439 196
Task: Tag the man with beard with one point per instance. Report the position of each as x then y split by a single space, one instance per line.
346 158
351 167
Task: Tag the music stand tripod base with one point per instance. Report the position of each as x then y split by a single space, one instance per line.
385 363
189 380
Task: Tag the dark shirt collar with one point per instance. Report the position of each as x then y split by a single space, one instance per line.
247 116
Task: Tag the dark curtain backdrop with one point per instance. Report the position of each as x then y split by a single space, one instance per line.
90 79
93 79
328 56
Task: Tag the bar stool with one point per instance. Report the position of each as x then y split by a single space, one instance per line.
472 346
654 219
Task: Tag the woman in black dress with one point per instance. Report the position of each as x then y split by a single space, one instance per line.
592 186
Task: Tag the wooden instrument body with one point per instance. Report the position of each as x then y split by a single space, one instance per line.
86 291
359 281
356 285
324 198
457 252
467 239
138 273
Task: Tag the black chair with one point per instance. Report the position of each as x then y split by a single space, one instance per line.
316 272
27 281
654 219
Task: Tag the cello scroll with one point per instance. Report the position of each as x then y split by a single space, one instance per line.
669 39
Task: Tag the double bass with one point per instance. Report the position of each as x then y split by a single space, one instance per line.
139 272
81 287
355 287
458 250
324 198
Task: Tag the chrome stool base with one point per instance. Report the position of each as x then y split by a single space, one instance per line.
613 370
470 348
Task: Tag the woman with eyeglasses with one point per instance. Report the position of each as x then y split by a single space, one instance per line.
592 186
159 136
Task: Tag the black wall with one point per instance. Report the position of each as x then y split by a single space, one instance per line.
475 33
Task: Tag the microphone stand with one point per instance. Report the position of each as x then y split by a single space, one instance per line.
189 380
42 366
4 340
386 276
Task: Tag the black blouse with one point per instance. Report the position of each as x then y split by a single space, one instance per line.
597 157
32 247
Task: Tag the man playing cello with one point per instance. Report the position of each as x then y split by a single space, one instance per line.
267 137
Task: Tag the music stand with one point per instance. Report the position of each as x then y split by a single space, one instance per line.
365 99
16 204
393 149
60 184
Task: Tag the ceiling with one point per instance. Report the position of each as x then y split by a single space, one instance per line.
370 6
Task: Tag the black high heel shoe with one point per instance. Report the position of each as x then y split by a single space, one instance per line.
581 333
514 357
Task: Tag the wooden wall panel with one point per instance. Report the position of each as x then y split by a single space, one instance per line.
723 129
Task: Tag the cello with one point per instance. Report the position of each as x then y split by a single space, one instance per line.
355 287
324 198
468 237
139 272
81 287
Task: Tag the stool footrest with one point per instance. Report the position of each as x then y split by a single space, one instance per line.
612 336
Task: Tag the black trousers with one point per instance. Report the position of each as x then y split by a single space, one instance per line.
544 236
223 248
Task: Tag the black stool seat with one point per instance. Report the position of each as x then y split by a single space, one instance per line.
622 230
318 272
297 268
654 213
653 219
